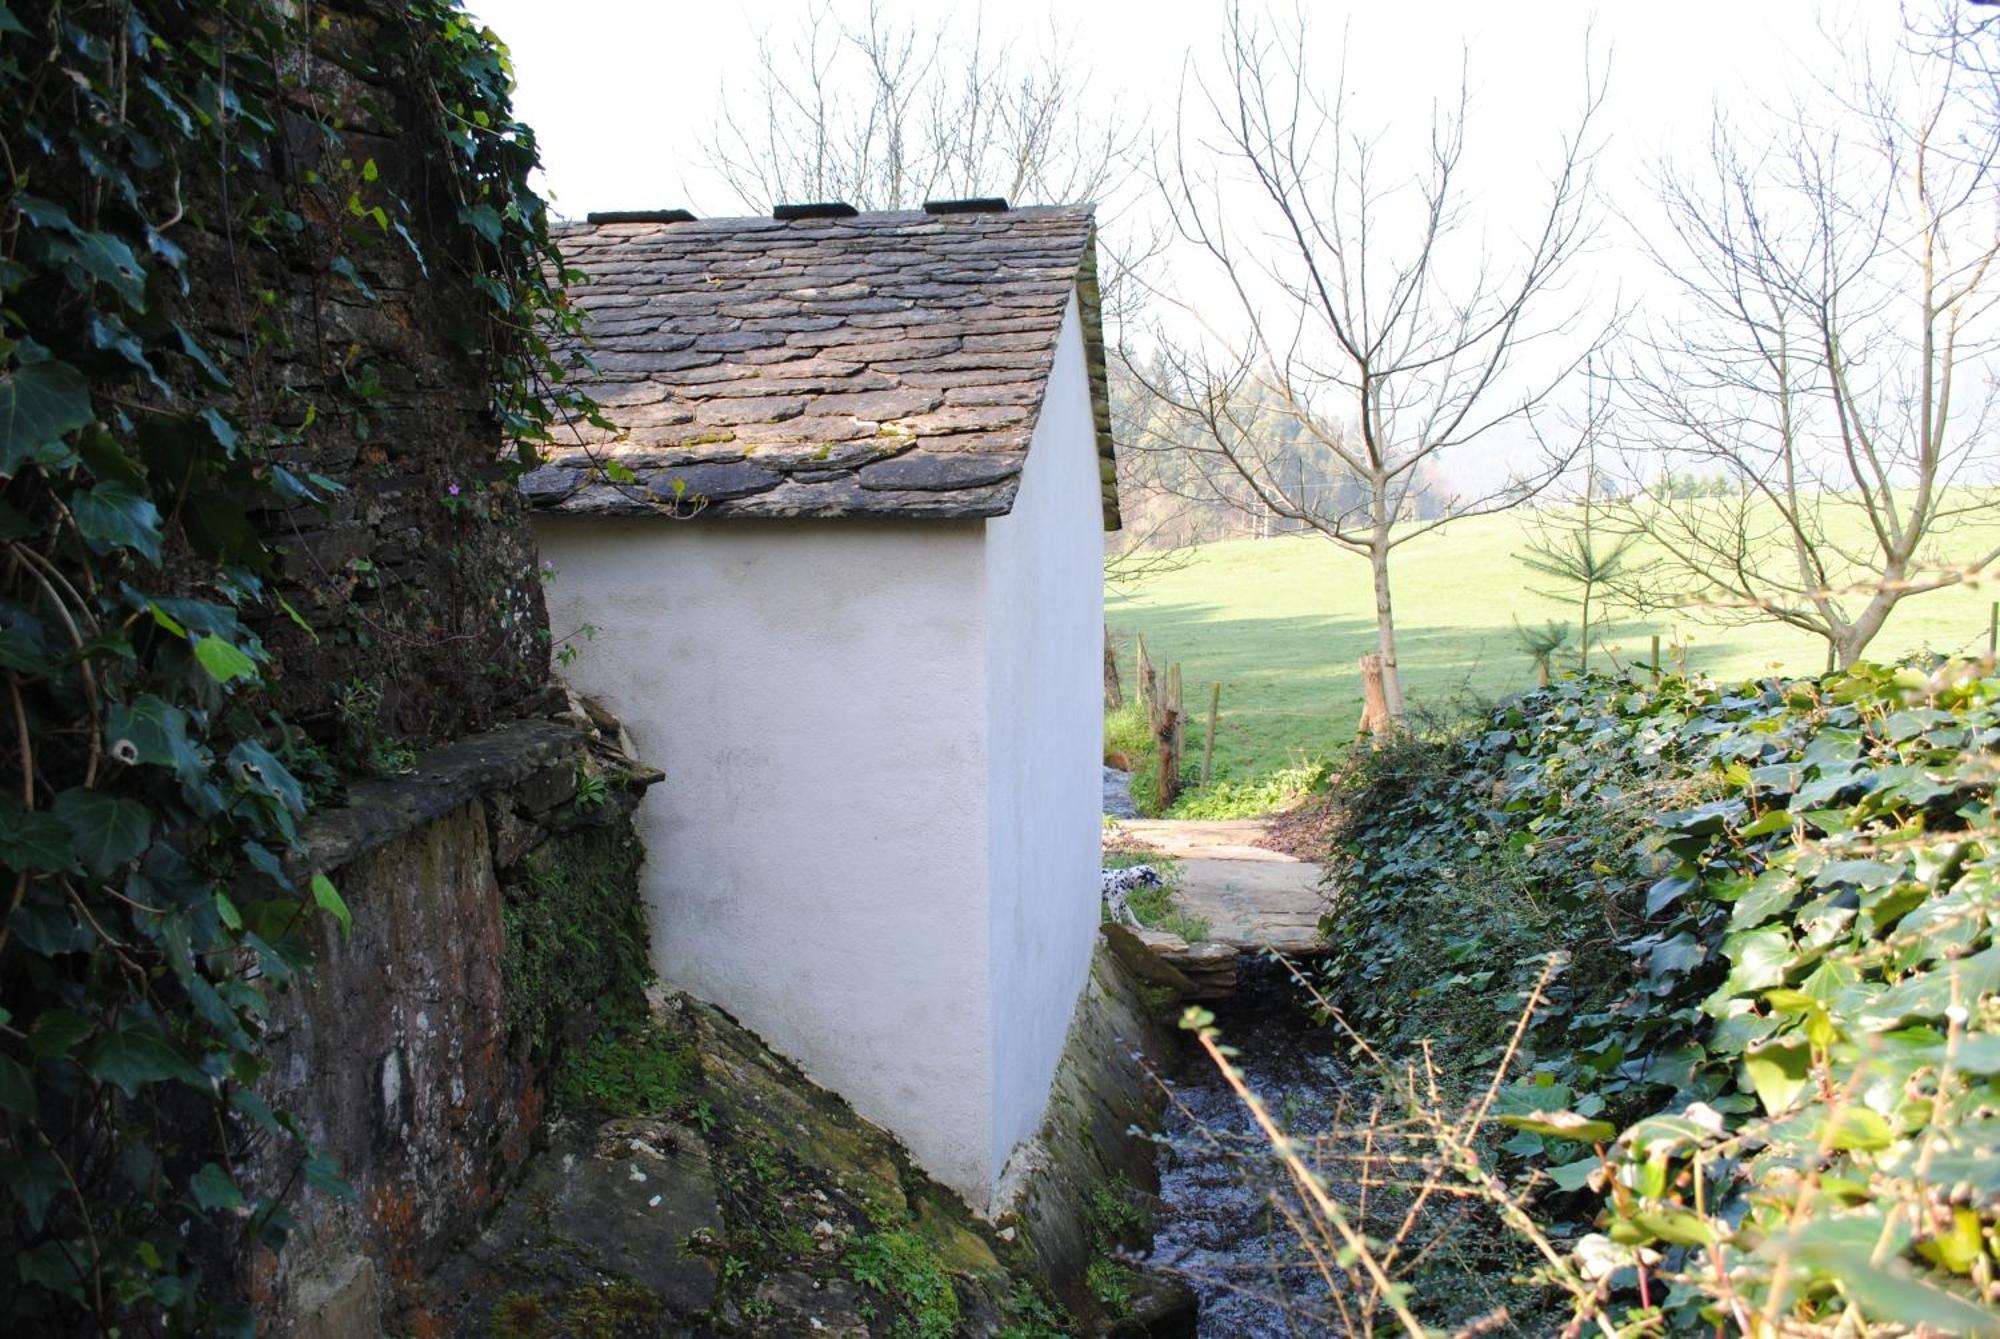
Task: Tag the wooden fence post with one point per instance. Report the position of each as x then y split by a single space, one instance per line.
1114 692
1656 657
1208 742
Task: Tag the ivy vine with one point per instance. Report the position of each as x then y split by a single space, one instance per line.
155 888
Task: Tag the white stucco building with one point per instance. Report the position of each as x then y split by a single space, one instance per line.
841 550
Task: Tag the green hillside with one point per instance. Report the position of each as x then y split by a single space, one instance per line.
1282 622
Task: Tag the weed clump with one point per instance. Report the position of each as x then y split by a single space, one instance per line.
645 1072
901 1266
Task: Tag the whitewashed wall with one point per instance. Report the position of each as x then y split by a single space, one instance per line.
877 842
816 858
1044 650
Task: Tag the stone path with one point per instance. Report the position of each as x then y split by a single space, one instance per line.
1252 898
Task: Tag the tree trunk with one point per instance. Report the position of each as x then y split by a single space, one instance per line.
1385 625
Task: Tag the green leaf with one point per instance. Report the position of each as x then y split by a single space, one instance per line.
1889 1293
113 516
1678 1226
107 260
107 832
153 731
323 1174
328 899
34 841
226 909
138 1054
263 769
56 1266
223 661
1758 960
34 1179
1863 873
484 219
223 430
1573 1176
39 403
9 25
1860 1130
17 1088
1563 1125
212 1188
1778 1071
56 1032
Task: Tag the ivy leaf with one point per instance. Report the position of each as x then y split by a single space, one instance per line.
484 219
223 430
34 841
113 516
1886 1292
323 1174
38 404
262 768
17 1088
1777 1072
9 25
344 267
34 1180
1563 1125
223 661
106 259
154 731
107 832
212 1188
54 1265
328 898
200 356
138 1054
56 1032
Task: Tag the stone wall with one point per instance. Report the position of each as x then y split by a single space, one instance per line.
417 1050
418 606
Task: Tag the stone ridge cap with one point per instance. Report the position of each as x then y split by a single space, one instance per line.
980 219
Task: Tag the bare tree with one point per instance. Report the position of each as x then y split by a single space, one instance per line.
886 115
1369 312
1837 267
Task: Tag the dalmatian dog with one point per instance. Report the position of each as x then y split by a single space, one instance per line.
1118 883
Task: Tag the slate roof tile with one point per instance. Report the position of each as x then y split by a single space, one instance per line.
886 364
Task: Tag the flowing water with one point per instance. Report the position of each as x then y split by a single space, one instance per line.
1224 1227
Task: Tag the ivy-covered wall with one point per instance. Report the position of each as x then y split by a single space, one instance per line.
273 299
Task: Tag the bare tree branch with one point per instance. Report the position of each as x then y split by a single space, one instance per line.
1368 313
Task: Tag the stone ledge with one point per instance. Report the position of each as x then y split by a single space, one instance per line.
378 812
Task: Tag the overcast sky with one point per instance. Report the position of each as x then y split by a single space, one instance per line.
624 93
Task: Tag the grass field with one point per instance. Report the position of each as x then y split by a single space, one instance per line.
1282 622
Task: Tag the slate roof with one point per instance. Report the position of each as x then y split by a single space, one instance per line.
883 364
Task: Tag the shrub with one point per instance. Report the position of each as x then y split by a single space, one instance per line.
1770 910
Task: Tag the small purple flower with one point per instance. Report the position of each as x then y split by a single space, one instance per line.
548 564
452 488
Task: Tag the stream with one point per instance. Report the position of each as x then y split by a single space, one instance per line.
1220 1229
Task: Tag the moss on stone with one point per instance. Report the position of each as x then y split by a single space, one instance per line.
611 1309
576 937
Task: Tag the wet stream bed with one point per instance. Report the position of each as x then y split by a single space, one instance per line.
1232 1222
1219 1228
